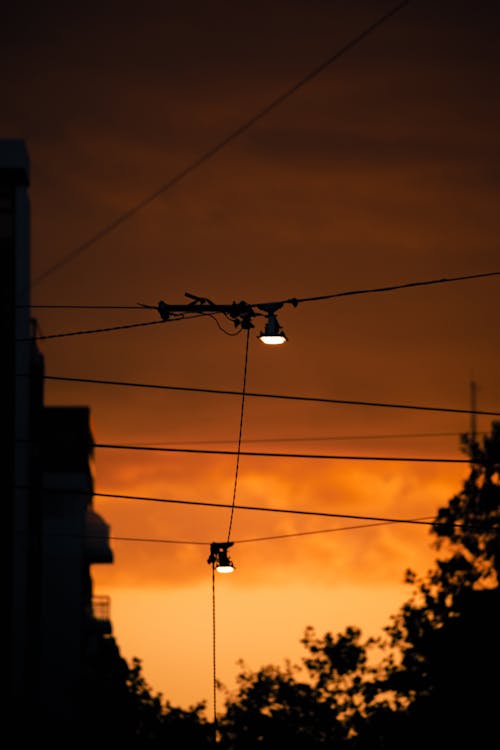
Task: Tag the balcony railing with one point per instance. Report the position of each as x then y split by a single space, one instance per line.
101 607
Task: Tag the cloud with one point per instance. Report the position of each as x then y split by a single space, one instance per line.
378 553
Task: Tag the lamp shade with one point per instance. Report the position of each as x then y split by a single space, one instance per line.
272 334
219 557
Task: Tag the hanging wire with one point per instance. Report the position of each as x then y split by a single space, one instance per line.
240 432
238 453
214 652
228 333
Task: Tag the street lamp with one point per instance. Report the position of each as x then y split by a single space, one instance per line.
219 557
272 334
240 313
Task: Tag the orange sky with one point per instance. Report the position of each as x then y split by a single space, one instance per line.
382 170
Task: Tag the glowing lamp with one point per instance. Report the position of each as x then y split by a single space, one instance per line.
272 334
219 557
225 566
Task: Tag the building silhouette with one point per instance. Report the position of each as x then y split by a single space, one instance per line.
56 626
74 537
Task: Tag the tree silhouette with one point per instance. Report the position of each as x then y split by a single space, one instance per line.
432 680
448 632
274 707
119 707
328 700
437 679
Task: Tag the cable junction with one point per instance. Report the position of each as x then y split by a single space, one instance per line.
240 314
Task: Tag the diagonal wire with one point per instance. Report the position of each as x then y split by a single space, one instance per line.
92 330
256 508
258 394
238 453
269 454
315 532
291 300
110 328
395 287
224 142
295 301
274 537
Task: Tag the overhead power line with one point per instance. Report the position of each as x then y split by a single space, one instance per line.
197 543
257 508
256 394
93 330
110 328
210 310
80 307
312 438
261 454
211 152
295 300
292 511
396 287
314 532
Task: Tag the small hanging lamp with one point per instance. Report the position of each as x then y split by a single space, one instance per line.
272 334
219 557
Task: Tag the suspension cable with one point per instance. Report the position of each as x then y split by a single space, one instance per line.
214 663
238 453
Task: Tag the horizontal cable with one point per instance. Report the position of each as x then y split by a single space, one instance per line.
275 537
312 438
253 508
294 300
262 454
81 307
291 511
250 394
113 538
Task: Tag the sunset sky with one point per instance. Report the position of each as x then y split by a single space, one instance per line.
381 170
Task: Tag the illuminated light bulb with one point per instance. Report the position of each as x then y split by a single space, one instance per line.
272 333
224 564
224 568
219 557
